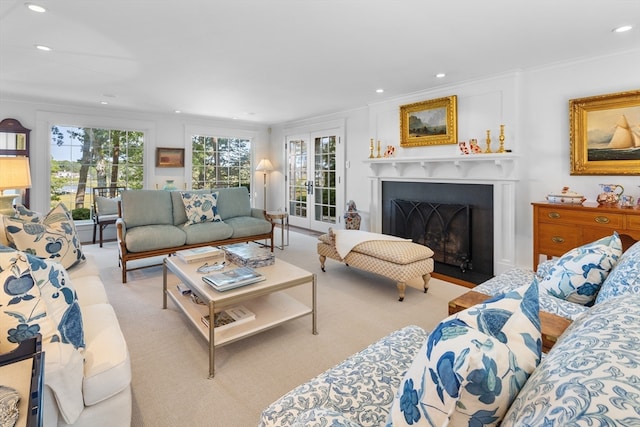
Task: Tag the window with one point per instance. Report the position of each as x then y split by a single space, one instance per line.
221 162
83 158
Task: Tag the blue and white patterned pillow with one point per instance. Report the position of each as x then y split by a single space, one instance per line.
60 298
473 364
625 276
23 314
53 236
590 376
201 207
322 417
578 275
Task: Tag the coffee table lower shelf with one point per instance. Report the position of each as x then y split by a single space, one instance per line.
271 310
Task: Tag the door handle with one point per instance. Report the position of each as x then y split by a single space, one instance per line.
309 187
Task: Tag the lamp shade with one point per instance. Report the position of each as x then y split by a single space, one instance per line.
264 165
14 173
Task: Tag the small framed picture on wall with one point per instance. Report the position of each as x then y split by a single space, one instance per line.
170 157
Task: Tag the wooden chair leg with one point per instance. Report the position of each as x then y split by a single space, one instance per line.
95 226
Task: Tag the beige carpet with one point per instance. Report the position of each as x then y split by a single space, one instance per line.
170 362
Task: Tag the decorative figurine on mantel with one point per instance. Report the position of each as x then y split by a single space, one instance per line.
475 148
390 151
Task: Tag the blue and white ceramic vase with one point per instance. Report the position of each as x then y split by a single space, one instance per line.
169 185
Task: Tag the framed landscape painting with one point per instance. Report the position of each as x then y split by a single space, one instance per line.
170 157
605 134
432 122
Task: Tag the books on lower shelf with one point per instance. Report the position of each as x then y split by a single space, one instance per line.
230 317
197 254
230 279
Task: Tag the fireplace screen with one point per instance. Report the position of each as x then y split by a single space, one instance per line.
445 228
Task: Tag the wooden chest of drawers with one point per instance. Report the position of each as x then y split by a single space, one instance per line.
558 228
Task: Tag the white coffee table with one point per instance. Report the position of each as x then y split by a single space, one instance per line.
266 299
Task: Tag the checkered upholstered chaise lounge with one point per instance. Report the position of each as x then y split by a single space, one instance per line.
399 260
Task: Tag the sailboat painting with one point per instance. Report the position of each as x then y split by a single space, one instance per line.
613 134
605 134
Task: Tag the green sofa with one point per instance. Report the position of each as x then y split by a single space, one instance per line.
153 223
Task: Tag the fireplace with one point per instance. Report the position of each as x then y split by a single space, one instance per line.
494 175
454 220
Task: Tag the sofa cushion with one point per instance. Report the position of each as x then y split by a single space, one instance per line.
107 205
146 207
516 277
23 313
361 387
579 273
64 370
625 276
60 297
233 202
244 226
473 364
206 232
150 237
200 207
590 376
107 367
52 237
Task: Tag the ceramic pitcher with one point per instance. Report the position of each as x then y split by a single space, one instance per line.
610 194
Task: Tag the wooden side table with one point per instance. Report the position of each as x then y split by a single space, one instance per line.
552 326
284 222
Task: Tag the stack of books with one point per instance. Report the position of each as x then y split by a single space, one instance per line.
197 254
230 317
230 279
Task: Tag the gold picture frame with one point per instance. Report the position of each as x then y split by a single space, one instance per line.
170 157
605 134
433 122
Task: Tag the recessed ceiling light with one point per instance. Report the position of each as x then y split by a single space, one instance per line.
379 90
104 103
440 75
35 7
42 47
622 29
177 111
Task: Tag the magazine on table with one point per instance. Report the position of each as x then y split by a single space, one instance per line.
230 317
229 279
196 254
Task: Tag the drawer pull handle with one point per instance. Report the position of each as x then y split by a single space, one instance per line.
602 220
554 215
557 239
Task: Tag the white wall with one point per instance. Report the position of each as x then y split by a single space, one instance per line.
533 106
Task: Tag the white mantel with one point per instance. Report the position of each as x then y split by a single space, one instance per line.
498 170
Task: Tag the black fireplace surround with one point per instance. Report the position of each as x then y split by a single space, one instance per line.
454 220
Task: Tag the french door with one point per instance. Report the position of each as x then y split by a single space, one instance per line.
314 180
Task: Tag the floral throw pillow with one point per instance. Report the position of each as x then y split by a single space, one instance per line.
23 314
51 237
578 275
60 298
473 364
201 207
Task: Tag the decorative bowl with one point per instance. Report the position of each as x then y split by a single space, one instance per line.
566 196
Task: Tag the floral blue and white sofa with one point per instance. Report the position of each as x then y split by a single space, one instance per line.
483 366
49 286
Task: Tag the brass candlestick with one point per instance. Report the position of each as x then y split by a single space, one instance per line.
501 149
371 149
379 149
488 140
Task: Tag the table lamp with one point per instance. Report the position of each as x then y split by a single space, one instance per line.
14 175
265 166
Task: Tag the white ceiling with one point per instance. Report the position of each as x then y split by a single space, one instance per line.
271 61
